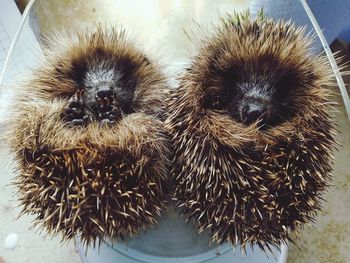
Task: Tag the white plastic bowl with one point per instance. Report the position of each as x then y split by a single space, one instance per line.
172 240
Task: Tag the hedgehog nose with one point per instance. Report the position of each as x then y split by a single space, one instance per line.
252 112
103 93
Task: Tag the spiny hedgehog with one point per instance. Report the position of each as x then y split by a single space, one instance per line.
78 176
251 132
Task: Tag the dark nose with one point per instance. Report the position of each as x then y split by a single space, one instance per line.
104 93
252 112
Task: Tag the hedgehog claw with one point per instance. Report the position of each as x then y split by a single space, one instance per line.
109 118
73 114
106 122
77 122
67 118
113 117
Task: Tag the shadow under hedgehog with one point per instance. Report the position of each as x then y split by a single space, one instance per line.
251 132
89 140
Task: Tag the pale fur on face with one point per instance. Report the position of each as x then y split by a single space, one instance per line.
103 77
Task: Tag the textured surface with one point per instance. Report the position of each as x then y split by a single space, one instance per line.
326 241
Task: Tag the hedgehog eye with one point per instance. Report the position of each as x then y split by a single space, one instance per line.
216 104
88 87
213 103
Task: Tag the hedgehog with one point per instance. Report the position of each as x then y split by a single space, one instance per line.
252 132
88 138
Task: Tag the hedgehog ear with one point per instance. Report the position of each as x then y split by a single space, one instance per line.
78 70
287 82
213 100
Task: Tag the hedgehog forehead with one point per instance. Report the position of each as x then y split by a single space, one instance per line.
101 74
270 67
256 89
266 68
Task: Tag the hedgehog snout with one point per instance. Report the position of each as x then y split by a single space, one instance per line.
103 93
105 96
252 111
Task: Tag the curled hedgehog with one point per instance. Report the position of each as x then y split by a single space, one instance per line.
252 133
88 138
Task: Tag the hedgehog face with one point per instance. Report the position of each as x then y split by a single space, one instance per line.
254 82
255 94
265 97
103 86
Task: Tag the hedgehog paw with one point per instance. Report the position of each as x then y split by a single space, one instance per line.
111 117
74 114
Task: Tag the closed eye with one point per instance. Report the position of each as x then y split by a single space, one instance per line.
216 104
